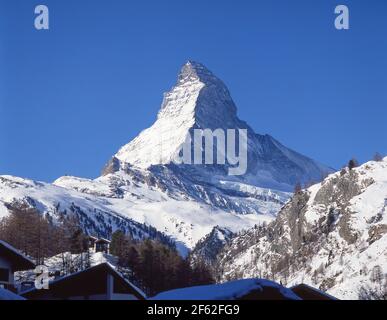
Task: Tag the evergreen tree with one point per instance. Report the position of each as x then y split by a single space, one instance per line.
297 188
201 274
378 157
119 246
352 164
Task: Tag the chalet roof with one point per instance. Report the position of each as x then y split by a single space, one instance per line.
8 295
244 289
102 240
307 292
72 281
19 261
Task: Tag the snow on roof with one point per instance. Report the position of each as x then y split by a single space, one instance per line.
16 252
8 295
103 240
225 291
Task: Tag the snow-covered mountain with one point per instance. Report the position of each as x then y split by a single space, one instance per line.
142 186
94 213
332 235
208 248
200 100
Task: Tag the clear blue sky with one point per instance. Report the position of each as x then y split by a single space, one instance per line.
71 96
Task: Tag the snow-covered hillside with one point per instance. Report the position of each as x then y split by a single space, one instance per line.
208 248
141 186
138 208
94 213
332 236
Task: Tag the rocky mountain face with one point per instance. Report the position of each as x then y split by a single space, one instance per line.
208 248
142 186
332 235
200 100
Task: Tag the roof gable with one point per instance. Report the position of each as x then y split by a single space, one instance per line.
18 260
89 279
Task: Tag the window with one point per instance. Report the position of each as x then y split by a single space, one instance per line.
4 275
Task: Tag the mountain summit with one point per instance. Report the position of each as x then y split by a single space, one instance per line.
200 100
143 192
193 70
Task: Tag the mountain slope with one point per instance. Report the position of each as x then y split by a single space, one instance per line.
208 248
94 213
144 187
332 235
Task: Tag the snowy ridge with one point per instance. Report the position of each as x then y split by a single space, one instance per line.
176 207
208 248
95 214
332 236
135 208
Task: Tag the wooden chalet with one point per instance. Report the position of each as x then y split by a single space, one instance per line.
11 260
101 282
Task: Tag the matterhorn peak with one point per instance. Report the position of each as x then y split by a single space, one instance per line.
193 70
201 97
200 100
